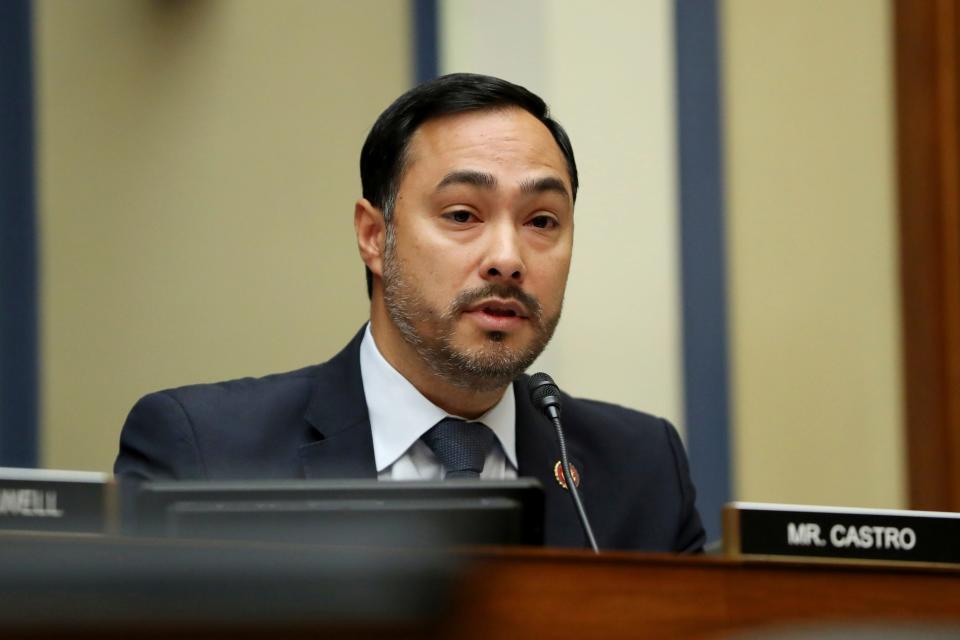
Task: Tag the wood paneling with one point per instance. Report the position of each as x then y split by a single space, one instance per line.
927 38
572 594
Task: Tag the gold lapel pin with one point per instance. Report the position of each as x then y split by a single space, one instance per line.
561 477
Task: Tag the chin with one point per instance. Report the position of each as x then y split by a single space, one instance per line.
477 338
500 344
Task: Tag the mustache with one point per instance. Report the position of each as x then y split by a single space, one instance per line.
466 299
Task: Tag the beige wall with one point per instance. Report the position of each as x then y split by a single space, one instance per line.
198 168
812 250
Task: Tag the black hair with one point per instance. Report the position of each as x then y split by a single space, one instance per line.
383 156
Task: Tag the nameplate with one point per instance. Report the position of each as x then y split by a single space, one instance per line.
51 500
801 531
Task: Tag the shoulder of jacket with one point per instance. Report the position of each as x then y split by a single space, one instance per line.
607 409
615 421
243 385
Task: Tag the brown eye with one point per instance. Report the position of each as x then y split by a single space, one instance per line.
543 222
461 217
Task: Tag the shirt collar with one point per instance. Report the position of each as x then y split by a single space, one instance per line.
400 414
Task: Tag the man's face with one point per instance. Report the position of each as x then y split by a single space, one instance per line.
477 260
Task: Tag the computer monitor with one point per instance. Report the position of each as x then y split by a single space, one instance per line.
342 512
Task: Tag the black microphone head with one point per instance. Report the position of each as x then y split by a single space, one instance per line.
544 392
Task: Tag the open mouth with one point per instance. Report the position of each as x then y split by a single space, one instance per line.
500 313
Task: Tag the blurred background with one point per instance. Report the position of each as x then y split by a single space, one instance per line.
187 171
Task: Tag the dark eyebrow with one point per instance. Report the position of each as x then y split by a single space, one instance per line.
488 181
474 178
541 185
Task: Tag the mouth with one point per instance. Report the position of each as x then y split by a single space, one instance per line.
500 308
498 315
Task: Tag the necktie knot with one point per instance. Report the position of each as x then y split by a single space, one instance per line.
461 447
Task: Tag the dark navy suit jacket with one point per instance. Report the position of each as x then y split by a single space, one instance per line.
313 423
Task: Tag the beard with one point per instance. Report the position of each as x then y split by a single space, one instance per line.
430 331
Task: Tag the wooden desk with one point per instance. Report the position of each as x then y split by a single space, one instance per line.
558 594
102 587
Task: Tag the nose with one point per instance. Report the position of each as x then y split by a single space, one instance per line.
503 261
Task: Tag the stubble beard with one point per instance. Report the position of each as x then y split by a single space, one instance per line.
490 366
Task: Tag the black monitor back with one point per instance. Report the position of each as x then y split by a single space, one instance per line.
342 512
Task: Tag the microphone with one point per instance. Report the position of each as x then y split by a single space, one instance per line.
545 396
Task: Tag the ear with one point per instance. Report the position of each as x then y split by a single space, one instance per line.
371 231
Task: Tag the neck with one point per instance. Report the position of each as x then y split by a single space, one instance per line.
453 399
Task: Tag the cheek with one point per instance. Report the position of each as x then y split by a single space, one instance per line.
439 274
435 260
417 254
552 281
563 267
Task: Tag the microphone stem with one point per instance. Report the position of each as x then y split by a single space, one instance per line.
572 486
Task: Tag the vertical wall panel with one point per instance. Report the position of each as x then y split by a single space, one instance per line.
703 257
426 46
198 171
928 141
812 250
18 244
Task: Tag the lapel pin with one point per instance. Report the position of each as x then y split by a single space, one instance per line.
561 477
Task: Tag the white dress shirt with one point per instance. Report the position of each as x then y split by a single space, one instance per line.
399 415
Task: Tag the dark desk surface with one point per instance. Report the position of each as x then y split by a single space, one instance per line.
107 587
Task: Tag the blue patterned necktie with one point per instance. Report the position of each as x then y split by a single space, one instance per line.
461 447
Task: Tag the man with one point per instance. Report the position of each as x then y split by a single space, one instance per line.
466 230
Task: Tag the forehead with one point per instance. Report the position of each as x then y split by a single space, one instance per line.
500 141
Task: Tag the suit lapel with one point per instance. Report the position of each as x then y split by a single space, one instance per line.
338 413
537 454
